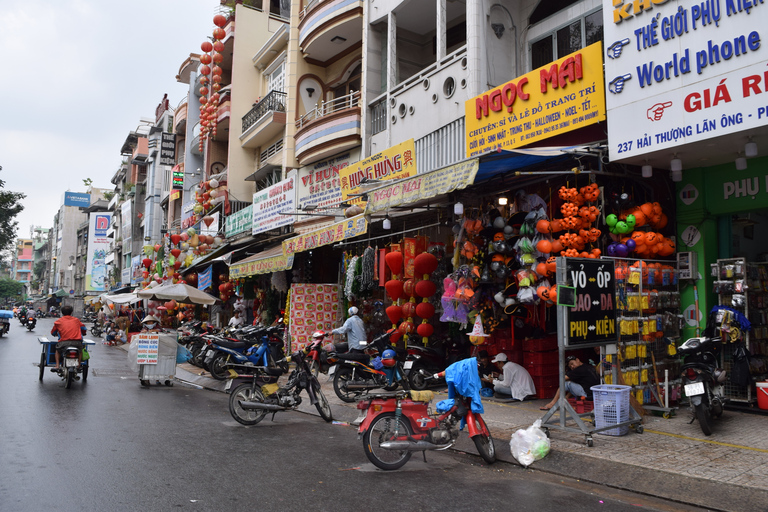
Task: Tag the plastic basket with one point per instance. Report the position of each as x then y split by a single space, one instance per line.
611 408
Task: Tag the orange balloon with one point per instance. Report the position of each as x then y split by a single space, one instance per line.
647 209
556 225
640 218
541 269
542 226
556 246
663 220
544 246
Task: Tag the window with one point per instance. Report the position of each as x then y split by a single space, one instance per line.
352 84
568 39
277 78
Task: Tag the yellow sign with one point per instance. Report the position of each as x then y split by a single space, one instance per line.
564 95
393 163
336 232
175 194
423 186
261 266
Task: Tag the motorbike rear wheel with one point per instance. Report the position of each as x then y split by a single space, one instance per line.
70 378
246 393
382 429
343 375
702 414
483 442
218 368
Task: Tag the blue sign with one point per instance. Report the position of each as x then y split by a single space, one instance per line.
101 224
205 278
77 199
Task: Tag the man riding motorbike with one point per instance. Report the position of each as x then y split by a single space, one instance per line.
354 328
70 331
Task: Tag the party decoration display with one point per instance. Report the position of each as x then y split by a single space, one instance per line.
313 307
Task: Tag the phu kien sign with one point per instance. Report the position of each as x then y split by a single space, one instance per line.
556 98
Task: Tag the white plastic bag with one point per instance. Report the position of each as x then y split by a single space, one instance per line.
530 444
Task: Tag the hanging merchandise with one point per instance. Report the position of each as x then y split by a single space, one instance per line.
367 280
477 336
350 278
279 281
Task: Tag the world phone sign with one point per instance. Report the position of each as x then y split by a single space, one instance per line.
679 72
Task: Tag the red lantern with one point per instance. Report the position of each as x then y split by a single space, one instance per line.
175 239
177 266
425 263
218 46
394 313
203 91
206 46
205 59
222 287
394 261
219 20
216 78
425 288
218 58
219 33
425 330
216 70
168 305
408 288
223 278
205 70
145 274
146 262
405 327
175 252
394 335
409 309
425 310
394 289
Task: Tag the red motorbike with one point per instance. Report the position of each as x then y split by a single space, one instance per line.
321 357
400 423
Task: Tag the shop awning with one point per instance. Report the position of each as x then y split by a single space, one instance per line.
505 161
336 232
120 298
265 262
60 293
91 298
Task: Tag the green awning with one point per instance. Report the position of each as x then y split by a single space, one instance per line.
60 293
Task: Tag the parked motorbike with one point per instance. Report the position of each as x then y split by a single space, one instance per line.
261 347
320 357
97 329
30 323
396 425
703 380
355 374
250 402
423 359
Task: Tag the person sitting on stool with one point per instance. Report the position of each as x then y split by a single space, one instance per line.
579 379
516 382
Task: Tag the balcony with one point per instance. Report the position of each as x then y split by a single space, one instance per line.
329 28
265 121
180 118
330 128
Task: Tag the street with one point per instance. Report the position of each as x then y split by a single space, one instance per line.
110 444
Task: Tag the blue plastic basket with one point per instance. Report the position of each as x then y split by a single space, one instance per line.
611 408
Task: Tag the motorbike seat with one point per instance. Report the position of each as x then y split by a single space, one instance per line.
234 345
422 396
353 356
341 347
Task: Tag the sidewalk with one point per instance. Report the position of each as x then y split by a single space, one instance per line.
672 459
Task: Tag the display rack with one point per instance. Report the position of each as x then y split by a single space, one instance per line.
649 321
743 286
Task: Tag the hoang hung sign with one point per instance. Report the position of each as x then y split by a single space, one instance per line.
556 98
336 232
396 162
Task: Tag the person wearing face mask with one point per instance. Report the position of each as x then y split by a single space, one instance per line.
150 323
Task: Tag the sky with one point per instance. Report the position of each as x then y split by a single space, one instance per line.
77 77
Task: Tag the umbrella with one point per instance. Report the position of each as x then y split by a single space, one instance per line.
179 292
121 298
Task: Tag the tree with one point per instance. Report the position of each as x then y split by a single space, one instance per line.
10 288
87 182
10 207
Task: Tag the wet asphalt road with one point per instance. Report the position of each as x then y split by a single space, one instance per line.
112 445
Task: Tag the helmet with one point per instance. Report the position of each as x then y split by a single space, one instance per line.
318 335
388 358
352 311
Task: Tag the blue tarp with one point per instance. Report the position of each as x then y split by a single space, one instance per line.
492 164
6 314
463 378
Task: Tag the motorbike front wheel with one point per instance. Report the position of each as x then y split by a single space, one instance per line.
340 380
246 393
382 429
416 379
323 407
218 367
702 414
314 368
484 442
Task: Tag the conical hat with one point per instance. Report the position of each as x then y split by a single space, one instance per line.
477 329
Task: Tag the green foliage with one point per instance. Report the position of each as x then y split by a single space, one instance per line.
109 195
10 288
39 269
10 207
87 182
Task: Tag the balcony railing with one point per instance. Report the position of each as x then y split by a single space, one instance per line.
379 116
272 102
351 100
306 10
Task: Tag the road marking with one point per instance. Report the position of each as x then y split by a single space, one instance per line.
680 436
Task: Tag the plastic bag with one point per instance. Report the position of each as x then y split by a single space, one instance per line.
530 444
183 354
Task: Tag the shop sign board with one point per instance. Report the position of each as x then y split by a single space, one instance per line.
727 192
268 203
423 186
136 271
168 152
336 232
319 183
592 319
98 246
178 177
147 344
77 199
126 228
187 214
680 72
125 276
240 221
265 265
561 96
396 162
313 307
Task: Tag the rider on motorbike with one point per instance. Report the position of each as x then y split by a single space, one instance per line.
354 328
70 331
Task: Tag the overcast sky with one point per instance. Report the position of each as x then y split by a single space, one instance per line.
77 77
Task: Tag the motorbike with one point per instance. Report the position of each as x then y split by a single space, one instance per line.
30 323
423 359
5 321
249 403
400 423
97 329
262 347
320 358
355 374
23 318
703 380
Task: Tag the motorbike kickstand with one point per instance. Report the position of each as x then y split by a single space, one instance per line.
693 418
424 454
273 415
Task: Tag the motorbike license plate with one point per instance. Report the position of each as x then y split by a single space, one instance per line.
697 388
331 370
70 363
408 365
209 353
